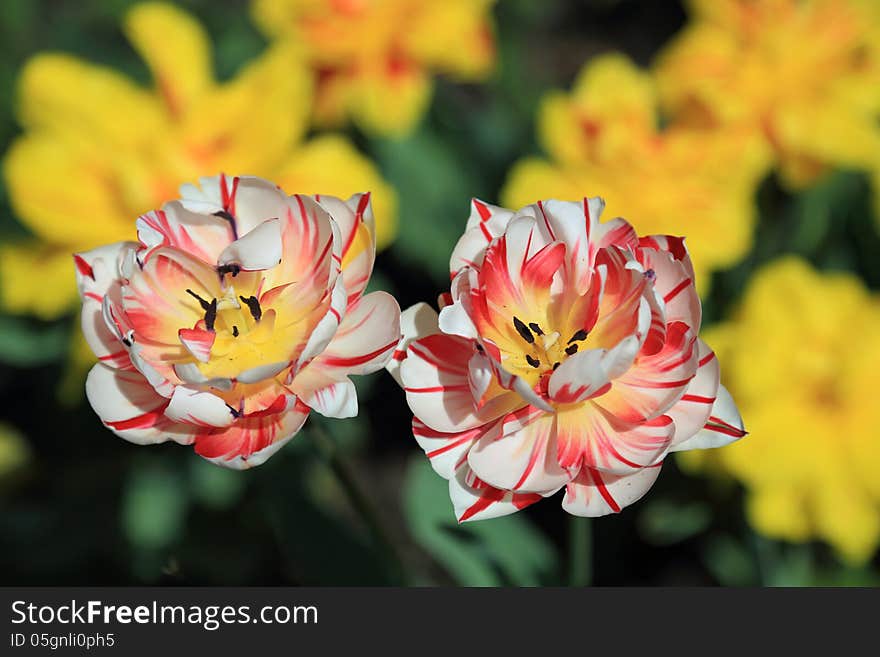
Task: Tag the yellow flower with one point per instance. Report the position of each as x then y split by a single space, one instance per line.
374 58
680 181
805 74
800 356
98 150
14 450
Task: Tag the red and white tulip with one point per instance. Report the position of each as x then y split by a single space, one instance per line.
238 311
565 356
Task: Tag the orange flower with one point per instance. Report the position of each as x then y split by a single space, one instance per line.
374 58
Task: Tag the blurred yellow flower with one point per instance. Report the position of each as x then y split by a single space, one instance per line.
14 450
374 59
801 357
98 150
803 73
603 139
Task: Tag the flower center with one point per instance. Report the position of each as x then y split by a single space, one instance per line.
542 351
242 334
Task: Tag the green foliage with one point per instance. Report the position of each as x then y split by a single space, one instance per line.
666 522
27 343
153 507
502 551
431 183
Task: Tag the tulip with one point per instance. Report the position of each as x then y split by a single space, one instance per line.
238 311
565 356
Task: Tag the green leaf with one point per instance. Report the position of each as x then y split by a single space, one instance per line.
213 486
153 507
665 522
730 561
501 551
818 209
25 343
431 180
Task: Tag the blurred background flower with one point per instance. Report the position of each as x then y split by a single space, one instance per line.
801 356
749 127
604 139
99 149
801 73
367 51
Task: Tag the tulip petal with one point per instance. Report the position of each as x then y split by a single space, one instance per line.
338 399
435 379
200 408
129 407
156 301
357 233
96 271
203 236
587 436
366 337
176 48
258 249
654 383
594 494
473 499
521 455
724 426
446 451
417 321
251 440
692 411
588 373
485 223
673 279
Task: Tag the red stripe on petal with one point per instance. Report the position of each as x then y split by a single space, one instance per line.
339 361
483 211
674 292
83 267
457 388
143 421
596 478
697 399
707 358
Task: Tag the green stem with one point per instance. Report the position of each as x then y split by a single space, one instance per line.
327 449
580 551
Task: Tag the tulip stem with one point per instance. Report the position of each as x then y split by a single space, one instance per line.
580 552
329 452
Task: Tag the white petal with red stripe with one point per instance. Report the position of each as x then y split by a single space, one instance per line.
435 379
198 407
417 321
198 342
724 426
595 494
366 338
655 382
473 499
96 272
587 374
337 399
521 456
485 223
587 436
691 412
446 451
130 407
326 328
202 235
251 440
673 280
357 233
